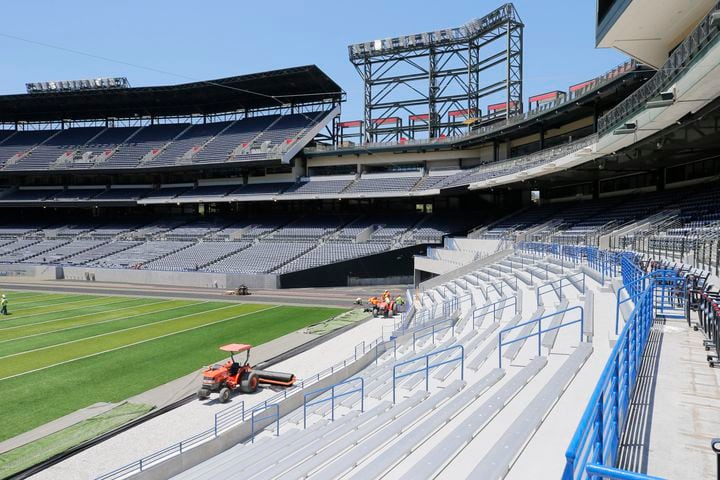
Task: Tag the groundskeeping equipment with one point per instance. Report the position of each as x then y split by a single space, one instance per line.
230 376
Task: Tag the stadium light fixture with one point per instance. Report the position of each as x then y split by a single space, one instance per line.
630 127
665 99
106 83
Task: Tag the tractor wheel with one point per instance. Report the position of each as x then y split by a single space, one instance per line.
203 394
224 395
248 382
376 312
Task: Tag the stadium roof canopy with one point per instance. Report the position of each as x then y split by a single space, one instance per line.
296 85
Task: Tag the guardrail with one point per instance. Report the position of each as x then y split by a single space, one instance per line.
275 415
540 330
506 302
334 396
601 471
702 36
709 321
597 437
426 368
433 329
557 286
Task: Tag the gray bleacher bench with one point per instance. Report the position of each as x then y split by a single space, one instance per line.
227 460
444 371
312 456
467 341
381 388
368 445
523 277
509 283
548 340
465 318
556 269
414 366
501 308
442 454
413 380
485 353
309 441
496 463
430 424
512 350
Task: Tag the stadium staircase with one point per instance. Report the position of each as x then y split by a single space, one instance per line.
105 156
187 158
156 152
20 155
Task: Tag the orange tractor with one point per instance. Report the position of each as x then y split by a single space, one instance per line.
383 306
226 378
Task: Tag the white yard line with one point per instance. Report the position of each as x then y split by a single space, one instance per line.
113 332
138 342
59 305
99 323
58 319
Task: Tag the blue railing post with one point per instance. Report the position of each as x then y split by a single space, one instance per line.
427 373
500 349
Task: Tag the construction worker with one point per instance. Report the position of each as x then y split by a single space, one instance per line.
3 305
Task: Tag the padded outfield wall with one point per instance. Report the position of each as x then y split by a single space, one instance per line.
395 266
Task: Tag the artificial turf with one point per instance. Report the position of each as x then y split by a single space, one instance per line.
73 362
26 456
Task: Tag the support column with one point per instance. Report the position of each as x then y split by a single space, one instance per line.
661 179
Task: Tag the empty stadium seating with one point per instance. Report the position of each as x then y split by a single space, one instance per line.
457 425
153 146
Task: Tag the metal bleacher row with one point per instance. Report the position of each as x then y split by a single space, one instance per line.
269 244
680 213
151 146
472 419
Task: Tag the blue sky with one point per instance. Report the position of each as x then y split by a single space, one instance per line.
207 40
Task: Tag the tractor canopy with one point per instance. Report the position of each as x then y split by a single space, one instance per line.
236 347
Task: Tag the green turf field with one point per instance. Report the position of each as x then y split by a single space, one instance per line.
63 352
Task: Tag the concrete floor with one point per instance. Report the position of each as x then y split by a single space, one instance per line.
676 407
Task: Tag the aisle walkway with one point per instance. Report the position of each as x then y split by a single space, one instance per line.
676 406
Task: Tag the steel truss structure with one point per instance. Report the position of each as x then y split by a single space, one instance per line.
431 84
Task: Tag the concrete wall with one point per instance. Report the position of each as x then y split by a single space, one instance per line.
42 272
177 279
439 280
473 244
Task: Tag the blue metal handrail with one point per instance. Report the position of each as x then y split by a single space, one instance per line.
507 302
659 281
602 471
333 396
254 419
435 328
426 368
540 330
557 286
597 437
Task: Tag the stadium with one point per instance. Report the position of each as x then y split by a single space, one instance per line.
468 280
